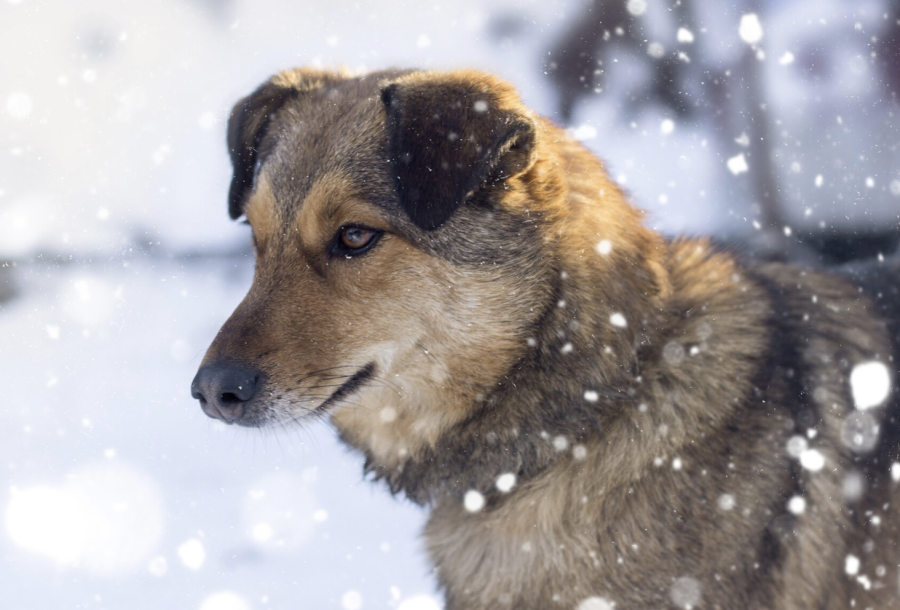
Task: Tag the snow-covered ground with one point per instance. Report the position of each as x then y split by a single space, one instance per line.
115 491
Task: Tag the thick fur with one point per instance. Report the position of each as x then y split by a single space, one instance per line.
516 317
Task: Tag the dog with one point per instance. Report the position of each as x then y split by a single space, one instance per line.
597 416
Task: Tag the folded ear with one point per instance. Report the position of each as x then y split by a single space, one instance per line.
451 134
250 118
246 128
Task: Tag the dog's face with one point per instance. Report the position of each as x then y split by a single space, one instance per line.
398 265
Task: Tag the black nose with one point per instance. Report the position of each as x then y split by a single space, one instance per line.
224 389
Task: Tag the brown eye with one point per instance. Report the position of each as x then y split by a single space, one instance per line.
355 240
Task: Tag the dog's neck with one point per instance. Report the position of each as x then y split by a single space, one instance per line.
587 365
579 368
582 377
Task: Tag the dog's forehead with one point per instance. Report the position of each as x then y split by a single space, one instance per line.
337 132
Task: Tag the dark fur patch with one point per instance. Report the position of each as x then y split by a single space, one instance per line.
446 140
246 129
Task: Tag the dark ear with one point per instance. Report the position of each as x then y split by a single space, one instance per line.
246 128
451 135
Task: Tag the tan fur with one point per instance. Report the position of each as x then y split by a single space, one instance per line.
489 331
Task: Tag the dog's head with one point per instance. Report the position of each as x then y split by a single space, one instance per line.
398 263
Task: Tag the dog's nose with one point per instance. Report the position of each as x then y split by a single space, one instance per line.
224 389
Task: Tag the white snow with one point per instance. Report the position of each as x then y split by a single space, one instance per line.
673 352
279 510
636 7
812 460
860 431
870 383
796 445
19 105
656 50
737 164
596 603
473 501
796 505
591 395
750 29
419 602
618 320
895 472
108 368
192 554
666 127
851 565
604 247
505 482
579 452
352 600
560 443
583 133
106 517
225 600
158 566
480 106
685 592
726 502
684 36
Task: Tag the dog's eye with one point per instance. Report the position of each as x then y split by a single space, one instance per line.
355 240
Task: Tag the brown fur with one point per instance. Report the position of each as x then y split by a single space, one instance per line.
485 317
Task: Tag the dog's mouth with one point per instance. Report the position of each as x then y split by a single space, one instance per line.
258 412
348 387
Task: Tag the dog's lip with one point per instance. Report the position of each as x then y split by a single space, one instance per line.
349 386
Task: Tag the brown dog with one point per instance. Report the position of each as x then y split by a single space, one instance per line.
598 417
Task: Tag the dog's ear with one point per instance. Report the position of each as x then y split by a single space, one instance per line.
250 118
450 135
246 128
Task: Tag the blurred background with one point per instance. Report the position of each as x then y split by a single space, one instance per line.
769 124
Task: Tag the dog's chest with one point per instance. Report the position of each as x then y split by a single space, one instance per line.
551 544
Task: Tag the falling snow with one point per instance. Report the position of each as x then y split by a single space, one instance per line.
192 554
618 320
737 164
685 36
473 501
505 482
225 600
851 565
750 29
726 502
812 460
596 603
132 490
351 600
796 505
870 383
685 592
19 105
